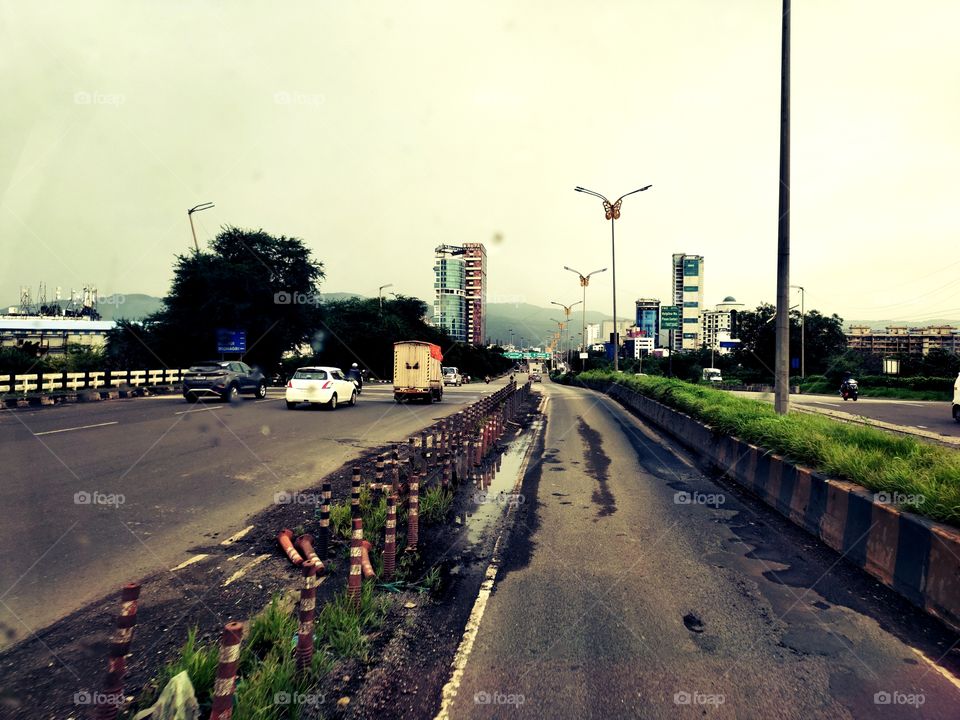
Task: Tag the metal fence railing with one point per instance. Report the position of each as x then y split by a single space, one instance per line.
67 382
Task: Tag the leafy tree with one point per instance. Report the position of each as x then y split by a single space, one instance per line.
249 280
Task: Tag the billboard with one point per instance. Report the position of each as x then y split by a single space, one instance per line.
691 267
231 341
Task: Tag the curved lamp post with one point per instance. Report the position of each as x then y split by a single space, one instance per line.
611 211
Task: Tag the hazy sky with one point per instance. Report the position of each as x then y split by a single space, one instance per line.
376 131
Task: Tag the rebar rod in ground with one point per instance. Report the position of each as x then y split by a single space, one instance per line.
390 539
354 581
229 661
355 493
110 700
413 513
323 540
308 604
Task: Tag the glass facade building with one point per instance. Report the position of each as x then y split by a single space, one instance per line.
449 301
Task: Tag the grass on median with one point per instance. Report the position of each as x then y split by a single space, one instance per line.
927 475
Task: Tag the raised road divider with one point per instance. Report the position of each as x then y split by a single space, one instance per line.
49 388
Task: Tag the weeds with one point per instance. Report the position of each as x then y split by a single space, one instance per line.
435 505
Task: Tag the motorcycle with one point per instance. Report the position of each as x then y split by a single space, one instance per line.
849 390
486 379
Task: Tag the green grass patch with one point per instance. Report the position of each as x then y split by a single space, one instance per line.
341 630
435 505
880 461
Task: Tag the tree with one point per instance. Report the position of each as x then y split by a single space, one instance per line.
249 280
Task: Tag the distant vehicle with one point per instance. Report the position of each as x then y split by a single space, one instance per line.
535 366
225 379
451 376
956 399
536 377
417 373
712 375
326 386
849 390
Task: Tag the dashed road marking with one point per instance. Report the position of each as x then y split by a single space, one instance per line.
233 538
203 409
191 561
245 569
81 427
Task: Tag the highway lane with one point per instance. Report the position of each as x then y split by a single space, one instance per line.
617 599
95 495
931 416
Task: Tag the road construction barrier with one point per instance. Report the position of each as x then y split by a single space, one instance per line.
229 661
308 604
112 697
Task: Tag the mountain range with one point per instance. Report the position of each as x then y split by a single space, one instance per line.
506 322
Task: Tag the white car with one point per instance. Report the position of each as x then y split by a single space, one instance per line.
451 376
956 399
325 386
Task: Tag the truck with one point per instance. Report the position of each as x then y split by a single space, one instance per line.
417 371
712 375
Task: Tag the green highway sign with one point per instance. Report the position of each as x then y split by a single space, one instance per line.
526 355
670 317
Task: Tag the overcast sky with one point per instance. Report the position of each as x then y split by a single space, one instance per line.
376 131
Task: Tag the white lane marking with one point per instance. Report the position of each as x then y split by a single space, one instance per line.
923 427
233 538
191 561
246 568
946 674
81 427
902 402
203 409
459 664
817 402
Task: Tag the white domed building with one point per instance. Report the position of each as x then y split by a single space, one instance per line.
720 324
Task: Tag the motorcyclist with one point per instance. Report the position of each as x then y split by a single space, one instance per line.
486 379
847 380
354 374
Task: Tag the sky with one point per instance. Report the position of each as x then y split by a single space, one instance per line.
376 131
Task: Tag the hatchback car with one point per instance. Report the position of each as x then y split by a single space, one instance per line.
326 386
224 379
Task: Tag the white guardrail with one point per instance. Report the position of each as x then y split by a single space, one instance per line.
92 380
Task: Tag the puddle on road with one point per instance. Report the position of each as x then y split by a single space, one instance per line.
493 488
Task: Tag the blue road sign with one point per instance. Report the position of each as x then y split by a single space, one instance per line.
231 341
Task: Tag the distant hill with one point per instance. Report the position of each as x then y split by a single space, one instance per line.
531 322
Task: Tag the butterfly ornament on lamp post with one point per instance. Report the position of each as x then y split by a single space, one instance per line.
611 211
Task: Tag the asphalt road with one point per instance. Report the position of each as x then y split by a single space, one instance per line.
160 477
934 417
617 599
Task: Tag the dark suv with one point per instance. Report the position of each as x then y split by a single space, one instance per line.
224 379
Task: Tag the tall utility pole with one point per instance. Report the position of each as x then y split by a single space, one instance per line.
612 213
781 385
566 314
190 212
380 294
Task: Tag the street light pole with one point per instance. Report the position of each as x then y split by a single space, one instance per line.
584 282
781 387
380 294
612 213
190 212
803 323
566 314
